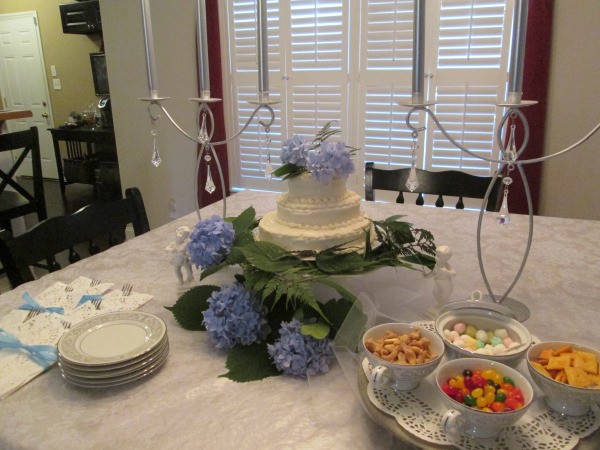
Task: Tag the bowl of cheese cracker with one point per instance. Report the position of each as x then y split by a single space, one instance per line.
568 375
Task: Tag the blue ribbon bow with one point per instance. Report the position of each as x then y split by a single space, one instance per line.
30 304
89 298
44 355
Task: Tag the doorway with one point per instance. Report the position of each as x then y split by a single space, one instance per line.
23 83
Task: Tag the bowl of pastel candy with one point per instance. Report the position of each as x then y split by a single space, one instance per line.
483 333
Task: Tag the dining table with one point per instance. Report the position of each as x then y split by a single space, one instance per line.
188 404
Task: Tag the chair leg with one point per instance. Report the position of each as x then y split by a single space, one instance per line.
73 256
94 249
53 265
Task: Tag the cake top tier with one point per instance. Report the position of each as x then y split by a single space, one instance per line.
305 186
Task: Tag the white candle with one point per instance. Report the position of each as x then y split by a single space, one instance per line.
517 51
148 40
418 94
262 46
203 67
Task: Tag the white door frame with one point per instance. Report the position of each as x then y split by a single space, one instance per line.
42 110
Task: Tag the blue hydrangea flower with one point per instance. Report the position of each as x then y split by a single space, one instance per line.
296 354
334 159
295 151
235 316
210 242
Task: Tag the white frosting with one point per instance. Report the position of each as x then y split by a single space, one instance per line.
313 216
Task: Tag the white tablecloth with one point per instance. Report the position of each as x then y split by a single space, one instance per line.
187 405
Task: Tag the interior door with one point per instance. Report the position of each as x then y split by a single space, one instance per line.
23 82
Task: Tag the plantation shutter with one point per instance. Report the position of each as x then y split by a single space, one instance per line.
351 61
469 78
308 62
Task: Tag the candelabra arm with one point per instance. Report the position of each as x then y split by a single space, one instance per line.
446 134
247 124
566 150
181 130
499 136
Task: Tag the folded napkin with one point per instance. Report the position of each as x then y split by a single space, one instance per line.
28 332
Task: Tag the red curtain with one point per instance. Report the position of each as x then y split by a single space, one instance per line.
216 91
535 87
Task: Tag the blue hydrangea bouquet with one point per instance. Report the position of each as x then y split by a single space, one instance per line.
321 158
269 320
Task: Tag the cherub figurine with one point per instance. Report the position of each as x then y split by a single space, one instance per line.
443 274
180 258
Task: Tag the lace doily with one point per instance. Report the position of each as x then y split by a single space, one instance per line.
420 413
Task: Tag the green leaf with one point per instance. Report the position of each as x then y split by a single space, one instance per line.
209 271
317 330
340 263
190 306
288 170
245 221
249 363
302 292
270 257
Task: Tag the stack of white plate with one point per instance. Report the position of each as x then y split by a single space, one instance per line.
113 349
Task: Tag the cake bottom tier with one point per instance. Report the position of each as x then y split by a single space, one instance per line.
294 239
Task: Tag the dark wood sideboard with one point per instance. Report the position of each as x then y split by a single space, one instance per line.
87 155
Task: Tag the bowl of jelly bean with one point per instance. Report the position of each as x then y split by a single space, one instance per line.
483 333
483 397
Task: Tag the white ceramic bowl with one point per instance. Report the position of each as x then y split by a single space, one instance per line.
488 320
565 399
401 377
474 422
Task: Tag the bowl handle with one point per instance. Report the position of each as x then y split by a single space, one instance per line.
380 377
451 422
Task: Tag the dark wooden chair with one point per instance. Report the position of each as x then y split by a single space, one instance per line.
21 200
452 183
60 233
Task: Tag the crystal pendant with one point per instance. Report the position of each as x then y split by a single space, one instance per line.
412 183
156 159
210 185
203 134
503 216
268 169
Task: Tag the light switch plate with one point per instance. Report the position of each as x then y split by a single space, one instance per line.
56 84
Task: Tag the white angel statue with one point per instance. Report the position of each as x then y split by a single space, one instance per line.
179 256
442 275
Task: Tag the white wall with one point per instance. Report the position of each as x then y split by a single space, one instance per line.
570 183
174 37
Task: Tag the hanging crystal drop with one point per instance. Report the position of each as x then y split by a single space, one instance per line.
268 169
503 216
156 159
510 153
210 185
203 133
268 166
412 183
